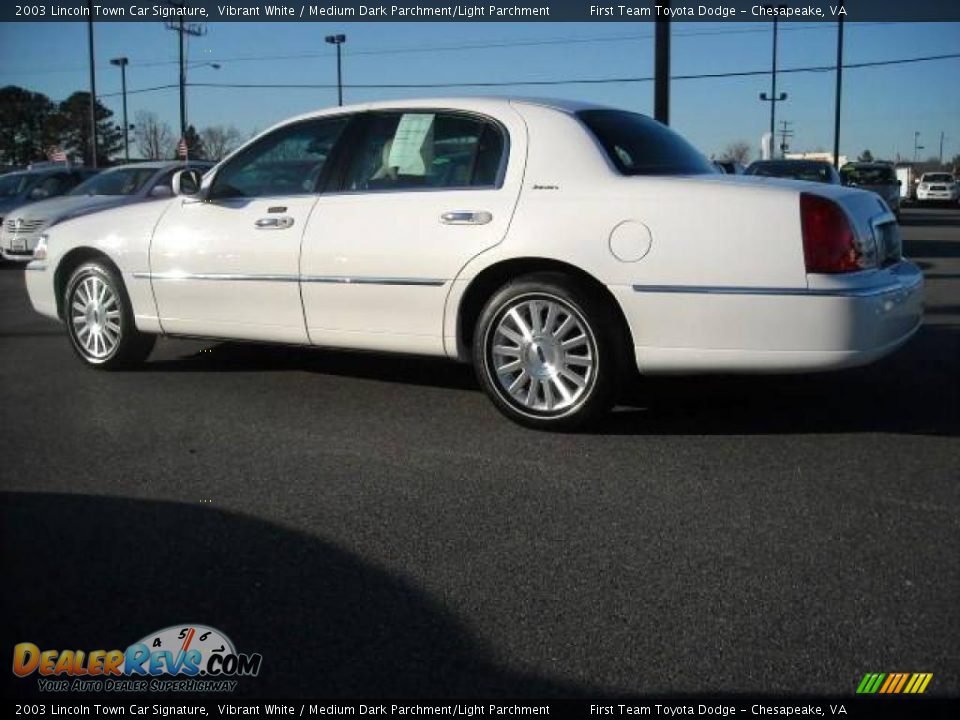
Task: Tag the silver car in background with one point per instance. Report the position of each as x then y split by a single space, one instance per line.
122 185
880 178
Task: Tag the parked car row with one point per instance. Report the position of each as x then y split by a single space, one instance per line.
549 243
39 199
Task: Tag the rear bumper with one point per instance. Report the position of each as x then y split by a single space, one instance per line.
836 322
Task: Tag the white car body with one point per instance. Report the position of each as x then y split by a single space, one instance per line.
708 271
938 187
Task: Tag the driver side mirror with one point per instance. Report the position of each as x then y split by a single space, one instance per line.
186 182
161 191
39 193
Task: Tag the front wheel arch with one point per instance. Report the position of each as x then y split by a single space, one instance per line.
70 262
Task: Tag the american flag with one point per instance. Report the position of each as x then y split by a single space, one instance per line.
182 148
55 154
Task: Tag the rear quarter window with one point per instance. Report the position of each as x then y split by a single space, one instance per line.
637 145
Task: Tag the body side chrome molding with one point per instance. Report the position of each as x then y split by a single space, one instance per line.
864 292
431 282
249 277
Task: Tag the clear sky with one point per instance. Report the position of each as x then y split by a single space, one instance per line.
882 108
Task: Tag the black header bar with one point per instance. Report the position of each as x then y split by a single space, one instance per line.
343 11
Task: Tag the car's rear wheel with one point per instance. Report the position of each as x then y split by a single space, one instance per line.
100 321
547 352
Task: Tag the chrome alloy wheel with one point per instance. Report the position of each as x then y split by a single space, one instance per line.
95 318
543 354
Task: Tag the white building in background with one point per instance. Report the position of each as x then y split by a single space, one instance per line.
820 155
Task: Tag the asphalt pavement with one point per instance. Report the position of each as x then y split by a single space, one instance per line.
373 527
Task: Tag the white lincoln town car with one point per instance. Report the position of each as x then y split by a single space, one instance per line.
556 245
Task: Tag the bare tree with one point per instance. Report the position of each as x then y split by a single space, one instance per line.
153 138
738 152
220 140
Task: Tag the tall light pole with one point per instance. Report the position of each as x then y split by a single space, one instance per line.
122 62
183 29
93 89
661 69
836 112
338 40
773 98
916 144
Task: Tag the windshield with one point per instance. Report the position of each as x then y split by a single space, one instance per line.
812 172
638 145
126 181
13 184
869 175
938 177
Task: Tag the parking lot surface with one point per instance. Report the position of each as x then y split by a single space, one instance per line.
372 526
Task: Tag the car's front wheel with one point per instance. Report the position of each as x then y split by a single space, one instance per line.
547 352
100 320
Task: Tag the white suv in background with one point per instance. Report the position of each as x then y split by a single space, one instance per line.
938 187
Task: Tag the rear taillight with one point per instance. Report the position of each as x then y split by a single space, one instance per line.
829 245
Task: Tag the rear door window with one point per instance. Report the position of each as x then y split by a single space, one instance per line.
424 150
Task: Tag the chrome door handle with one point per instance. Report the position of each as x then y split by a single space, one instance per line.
466 218
274 223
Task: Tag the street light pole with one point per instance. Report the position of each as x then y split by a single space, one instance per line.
916 145
773 98
338 40
836 115
122 63
93 89
661 69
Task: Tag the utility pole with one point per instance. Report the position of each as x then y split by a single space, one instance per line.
93 89
836 112
661 68
337 41
773 98
122 63
785 134
183 29
916 145
941 147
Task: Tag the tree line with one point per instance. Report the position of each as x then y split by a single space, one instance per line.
31 124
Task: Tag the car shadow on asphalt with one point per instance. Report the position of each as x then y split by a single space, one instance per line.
96 572
914 391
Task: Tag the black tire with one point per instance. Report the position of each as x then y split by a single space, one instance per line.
120 344
543 356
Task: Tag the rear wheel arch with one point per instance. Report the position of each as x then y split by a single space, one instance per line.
492 278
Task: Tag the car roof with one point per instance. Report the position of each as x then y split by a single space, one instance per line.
157 164
791 161
483 103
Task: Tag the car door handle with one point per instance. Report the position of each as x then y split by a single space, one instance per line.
274 223
466 218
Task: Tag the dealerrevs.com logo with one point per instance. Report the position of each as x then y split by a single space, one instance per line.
188 658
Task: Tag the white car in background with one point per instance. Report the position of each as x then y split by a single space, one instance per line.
121 185
938 187
558 246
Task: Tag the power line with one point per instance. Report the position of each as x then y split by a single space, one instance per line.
460 47
578 81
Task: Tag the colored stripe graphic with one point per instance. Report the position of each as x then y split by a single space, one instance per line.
894 683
